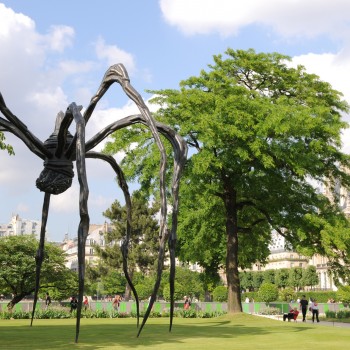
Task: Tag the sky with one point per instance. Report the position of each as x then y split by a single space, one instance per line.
56 52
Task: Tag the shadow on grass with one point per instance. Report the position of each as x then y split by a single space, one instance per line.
101 334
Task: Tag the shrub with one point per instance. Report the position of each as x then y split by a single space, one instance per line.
220 293
287 294
343 294
268 292
270 311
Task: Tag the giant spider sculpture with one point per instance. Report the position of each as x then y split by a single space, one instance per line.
62 148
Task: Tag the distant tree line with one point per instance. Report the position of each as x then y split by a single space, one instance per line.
295 277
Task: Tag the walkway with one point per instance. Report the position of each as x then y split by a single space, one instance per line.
323 323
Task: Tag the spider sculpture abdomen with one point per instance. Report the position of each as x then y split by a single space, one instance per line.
58 172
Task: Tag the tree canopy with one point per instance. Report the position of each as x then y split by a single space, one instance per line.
143 247
17 272
260 134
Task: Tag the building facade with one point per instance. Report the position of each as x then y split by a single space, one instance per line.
95 237
18 226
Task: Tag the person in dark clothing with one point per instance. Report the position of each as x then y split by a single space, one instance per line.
73 304
47 300
303 306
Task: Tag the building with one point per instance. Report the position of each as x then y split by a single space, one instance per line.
95 237
18 226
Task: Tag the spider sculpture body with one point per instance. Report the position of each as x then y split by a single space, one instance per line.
62 148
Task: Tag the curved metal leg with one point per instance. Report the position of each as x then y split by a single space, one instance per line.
40 252
83 229
124 248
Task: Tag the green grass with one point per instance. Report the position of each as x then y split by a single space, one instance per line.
226 332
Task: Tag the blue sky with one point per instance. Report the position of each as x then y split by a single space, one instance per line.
56 52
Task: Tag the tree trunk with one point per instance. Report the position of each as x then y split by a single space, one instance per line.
234 304
15 299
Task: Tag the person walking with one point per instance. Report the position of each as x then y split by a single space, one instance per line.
73 304
47 300
314 310
303 307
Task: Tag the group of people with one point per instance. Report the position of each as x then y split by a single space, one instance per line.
303 303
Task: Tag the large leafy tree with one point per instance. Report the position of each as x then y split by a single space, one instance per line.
258 131
143 247
17 269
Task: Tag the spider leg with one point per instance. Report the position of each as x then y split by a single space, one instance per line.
21 131
83 229
40 252
124 248
180 154
118 74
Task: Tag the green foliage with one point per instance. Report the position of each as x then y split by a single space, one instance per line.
269 276
179 291
220 294
343 294
189 283
310 277
258 131
64 313
287 294
268 292
270 311
258 278
339 315
281 278
246 280
143 291
295 279
4 146
18 266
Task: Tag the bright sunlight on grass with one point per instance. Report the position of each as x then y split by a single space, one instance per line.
227 332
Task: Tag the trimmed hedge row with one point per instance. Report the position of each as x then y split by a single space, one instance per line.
61 313
321 297
343 314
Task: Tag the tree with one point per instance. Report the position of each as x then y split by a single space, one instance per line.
343 294
295 278
220 294
281 278
258 131
246 279
268 292
17 269
310 277
143 247
269 276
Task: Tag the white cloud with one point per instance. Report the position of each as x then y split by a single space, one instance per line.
60 37
114 54
287 17
330 68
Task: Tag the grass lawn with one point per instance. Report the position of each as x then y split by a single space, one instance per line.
227 332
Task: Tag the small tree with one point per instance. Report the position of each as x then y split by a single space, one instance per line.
281 278
17 269
179 291
220 293
246 278
287 294
269 276
295 278
258 279
310 277
268 292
